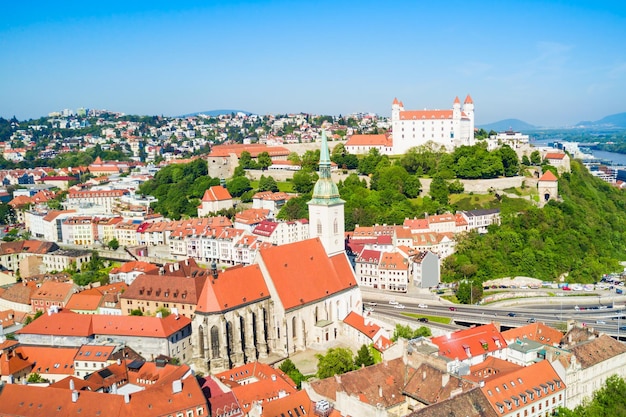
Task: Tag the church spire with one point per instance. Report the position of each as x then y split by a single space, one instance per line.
324 157
326 211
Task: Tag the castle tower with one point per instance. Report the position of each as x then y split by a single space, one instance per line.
326 209
468 109
396 108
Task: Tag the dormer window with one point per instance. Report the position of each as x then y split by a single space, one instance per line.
524 398
508 403
544 387
516 400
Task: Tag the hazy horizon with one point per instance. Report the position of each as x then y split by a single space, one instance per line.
549 63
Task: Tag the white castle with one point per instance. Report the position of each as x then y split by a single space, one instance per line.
449 128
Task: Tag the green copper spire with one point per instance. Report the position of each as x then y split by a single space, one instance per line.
325 191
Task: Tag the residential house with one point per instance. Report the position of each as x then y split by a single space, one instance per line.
149 336
480 219
131 270
473 345
363 331
532 390
371 391
255 385
151 293
592 359
175 393
282 232
393 272
366 268
92 358
426 269
52 296
248 219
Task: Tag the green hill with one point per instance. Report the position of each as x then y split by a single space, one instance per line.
583 236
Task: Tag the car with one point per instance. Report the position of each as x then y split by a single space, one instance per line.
373 304
531 320
566 288
393 302
622 328
512 314
423 319
452 308
422 305
600 322
398 306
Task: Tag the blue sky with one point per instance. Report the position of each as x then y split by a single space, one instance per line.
549 63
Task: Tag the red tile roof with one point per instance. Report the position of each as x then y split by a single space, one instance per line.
555 155
318 276
232 288
368 140
477 341
216 193
548 176
357 321
85 325
500 390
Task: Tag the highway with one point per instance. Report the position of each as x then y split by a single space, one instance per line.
591 310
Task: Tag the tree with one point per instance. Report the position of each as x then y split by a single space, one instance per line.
406 332
294 209
336 361
264 160
510 161
439 190
363 357
267 184
238 185
113 244
535 158
304 180
164 311
469 292
136 312
294 373
608 401
456 187
35 378
245 160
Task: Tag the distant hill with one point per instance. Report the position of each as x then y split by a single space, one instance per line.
613 121
215 113
508 124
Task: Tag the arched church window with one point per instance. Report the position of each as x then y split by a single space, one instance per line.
335 227
215 342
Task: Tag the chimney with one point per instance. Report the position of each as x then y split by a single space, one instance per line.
126 398
380 391
72 384
119 361
74 396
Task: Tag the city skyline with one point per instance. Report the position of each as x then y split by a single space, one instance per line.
547 63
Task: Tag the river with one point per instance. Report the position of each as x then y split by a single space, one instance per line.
616 158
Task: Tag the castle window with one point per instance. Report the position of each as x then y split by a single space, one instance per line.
319 227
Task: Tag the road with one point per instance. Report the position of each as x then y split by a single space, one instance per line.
594 310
